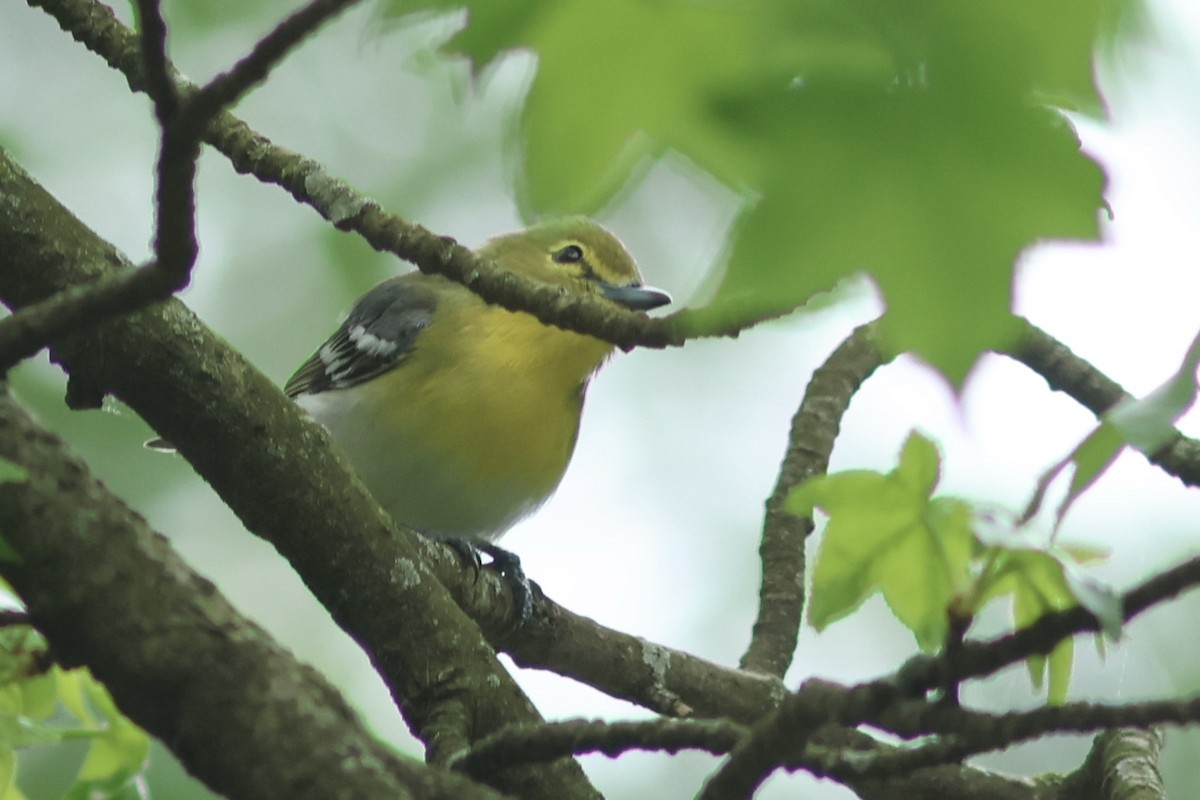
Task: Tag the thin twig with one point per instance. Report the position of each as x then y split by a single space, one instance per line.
783 734
977 659
227 88
810 444
175 235
543 743
778 738
153 35
29 329
183 126
850 765
93 24
981 730
977 732
13 617
1066 372
964 733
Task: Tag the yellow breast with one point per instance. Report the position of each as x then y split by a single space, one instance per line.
476 428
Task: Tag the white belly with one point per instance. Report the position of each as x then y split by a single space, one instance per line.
419 486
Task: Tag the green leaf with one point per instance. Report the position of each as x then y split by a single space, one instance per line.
890 182
18 730
1099 598
1041 581
39 694
919 466
1061 660
72 693
1092 459
119 755
1057 667
8 776
1149 423
906 140
885 535
20 648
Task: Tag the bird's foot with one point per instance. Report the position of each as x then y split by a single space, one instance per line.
508 565
504 562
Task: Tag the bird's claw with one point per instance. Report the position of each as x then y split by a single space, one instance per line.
504 562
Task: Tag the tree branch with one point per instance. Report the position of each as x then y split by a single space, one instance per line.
227 88
787 731
1122 765
555 740
965 732
152 33
175 244
183 123
976 659
1066 372
996 731
237 708
93 24
76 308
670 682
810 444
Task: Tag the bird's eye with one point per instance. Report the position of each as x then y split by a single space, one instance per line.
569 254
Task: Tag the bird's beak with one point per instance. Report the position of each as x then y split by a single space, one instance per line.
635 296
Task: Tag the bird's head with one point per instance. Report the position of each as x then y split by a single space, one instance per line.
580 255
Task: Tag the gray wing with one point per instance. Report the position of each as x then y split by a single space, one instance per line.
380 331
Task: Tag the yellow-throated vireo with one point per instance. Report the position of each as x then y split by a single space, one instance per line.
458 415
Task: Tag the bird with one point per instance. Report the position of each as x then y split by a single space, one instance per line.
461 416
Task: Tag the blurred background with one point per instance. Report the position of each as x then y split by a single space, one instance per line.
655 528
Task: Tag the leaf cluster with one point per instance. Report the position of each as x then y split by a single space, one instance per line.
918 142
43 704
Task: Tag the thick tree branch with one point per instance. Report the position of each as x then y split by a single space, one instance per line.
670 682
111 594
217 410
810 444
1122 765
